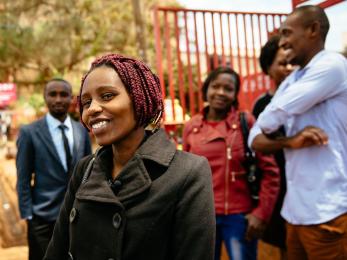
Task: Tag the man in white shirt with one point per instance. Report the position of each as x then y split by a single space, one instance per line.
311 104
48 149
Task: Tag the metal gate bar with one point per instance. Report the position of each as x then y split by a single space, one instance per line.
324 4
190 43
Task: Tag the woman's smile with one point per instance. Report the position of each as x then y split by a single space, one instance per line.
107 107
100 127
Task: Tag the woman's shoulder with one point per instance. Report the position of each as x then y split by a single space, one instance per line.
195 122
196 119
81 167
189 162
183 155
190 170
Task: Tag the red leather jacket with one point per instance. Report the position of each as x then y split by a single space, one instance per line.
223 146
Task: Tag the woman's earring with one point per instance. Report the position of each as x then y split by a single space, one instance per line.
154 125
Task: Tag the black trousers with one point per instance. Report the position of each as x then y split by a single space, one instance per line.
39 235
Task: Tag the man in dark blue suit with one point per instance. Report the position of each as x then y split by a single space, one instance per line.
48 149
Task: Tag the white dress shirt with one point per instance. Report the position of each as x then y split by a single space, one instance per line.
53 126
316 176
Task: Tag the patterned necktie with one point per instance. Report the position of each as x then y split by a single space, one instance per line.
62 127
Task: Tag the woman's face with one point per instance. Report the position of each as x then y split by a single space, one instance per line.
107 108
280 68
221 92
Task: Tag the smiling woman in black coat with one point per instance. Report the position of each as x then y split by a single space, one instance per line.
142 199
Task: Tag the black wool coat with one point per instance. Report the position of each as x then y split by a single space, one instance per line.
160 208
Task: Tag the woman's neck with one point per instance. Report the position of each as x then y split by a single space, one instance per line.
124 150
216 115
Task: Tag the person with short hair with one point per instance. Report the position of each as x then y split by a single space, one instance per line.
311 104
273 62
47 151
216 133
142 198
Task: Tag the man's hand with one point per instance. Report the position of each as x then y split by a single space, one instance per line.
255 227
309 136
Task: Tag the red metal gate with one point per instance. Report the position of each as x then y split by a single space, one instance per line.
189 43
323 4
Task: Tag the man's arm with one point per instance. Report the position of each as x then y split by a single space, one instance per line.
25 168
317 84
309 136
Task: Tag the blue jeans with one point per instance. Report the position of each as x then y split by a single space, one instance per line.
231 229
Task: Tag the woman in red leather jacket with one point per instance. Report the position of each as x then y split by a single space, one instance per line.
216 134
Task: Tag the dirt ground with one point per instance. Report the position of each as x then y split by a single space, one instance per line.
12 229
14 253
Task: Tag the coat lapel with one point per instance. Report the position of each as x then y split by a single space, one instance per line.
134 177
44 134
134 180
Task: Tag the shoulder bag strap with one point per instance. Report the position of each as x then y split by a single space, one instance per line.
249 155
245 133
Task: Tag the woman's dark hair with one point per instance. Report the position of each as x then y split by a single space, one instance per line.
141 83
268 53
214 74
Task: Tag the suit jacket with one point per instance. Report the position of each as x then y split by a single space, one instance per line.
37 159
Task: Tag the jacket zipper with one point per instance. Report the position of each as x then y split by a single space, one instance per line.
229 157
233 179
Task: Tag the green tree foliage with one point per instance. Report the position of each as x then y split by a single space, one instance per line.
40 39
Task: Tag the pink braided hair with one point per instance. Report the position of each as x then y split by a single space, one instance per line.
141 83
